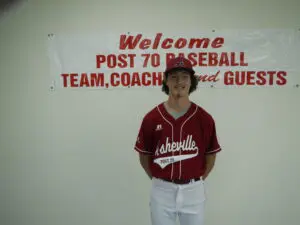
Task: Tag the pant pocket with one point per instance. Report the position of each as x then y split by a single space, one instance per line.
162 196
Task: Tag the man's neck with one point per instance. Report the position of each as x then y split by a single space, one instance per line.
178 104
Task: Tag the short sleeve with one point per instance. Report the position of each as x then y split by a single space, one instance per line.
213 143
142 144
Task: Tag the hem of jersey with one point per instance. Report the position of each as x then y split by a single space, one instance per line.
142 151
213 151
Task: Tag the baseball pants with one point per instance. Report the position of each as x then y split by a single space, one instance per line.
169 201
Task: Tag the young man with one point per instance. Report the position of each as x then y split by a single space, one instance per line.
177 146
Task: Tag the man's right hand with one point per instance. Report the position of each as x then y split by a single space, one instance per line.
144 161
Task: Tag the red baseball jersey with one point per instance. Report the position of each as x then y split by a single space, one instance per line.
177 146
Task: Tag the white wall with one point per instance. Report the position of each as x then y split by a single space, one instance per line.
57 166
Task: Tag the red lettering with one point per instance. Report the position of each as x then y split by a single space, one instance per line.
281 76
97 79
198 42
240 77
155 60
65 77
129 42
157 78
218 59
111 61
233 59
73 79
271 80
214 78
145 79
250 77
213 59
165 44
131 58
84 80
147 56
145 44
261 78
217 42
255 78
99 60
180 43
202 58
157 40
135 79
192 57
203 78
114 79
242 59
208 78
122 61
228 78
224 61
125 79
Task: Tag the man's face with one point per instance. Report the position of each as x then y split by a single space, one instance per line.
179 83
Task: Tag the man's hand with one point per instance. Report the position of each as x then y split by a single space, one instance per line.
210 162
144 160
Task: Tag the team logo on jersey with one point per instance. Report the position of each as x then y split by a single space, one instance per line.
187 145
158 127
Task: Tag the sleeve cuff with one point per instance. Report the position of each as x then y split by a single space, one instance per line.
213 151
142 151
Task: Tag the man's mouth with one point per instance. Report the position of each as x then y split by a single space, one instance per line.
180 87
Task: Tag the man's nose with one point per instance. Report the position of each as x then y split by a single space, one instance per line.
179 79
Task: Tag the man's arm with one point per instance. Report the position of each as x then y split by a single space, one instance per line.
144 161
210 162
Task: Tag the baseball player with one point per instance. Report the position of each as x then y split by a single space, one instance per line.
177 146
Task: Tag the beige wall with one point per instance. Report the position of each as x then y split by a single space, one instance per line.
57 165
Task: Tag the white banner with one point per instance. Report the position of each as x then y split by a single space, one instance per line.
221 58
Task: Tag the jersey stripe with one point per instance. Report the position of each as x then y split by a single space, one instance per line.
181 134
172 134
213 151
140 150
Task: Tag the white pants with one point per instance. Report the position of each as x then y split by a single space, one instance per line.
169 201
